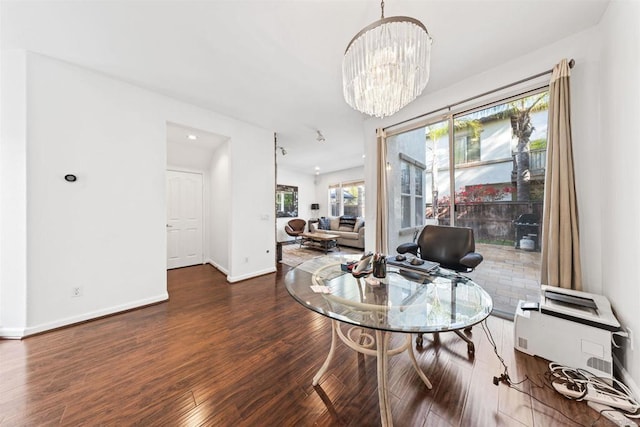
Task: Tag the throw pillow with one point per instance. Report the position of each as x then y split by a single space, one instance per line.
359 225
347 223
323 224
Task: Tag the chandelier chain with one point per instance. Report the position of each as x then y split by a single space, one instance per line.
382 8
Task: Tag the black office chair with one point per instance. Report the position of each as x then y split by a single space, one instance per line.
451 247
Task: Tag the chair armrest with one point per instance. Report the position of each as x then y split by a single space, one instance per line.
471 260
408 247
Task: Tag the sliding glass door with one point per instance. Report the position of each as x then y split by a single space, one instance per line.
483 169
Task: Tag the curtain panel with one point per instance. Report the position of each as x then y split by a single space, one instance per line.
382 217
560 235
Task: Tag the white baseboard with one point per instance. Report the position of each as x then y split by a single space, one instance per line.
233 279
11 333
626 378
217 266
17 333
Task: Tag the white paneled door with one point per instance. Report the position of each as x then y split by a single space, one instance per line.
184 219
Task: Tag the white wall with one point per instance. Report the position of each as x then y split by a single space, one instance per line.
106 232
98 233
619 204
306 196
13 192
219 199
252 239
604 114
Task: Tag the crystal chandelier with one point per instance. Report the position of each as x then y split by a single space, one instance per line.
386 65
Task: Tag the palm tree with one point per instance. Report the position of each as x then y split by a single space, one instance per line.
522 128
434 133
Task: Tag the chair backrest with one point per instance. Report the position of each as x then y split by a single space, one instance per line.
297 224
446 245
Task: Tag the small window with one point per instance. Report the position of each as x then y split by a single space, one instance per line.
335 201
412 208
347 199
467 149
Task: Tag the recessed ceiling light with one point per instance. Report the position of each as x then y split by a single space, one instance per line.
192 137
364 155
317 168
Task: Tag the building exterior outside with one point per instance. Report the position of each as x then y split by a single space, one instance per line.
484 174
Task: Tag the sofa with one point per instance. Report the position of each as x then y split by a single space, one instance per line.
350 229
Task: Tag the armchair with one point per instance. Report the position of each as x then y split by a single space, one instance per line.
451 247
295 227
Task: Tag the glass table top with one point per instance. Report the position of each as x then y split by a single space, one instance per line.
403 301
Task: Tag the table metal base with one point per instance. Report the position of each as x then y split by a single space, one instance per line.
364 343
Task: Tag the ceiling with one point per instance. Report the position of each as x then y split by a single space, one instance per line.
277 64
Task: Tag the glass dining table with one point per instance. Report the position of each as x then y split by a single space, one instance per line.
365 311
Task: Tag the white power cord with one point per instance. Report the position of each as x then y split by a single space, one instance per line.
579 384
611 414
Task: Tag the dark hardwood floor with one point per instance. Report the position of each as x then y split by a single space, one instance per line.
244 354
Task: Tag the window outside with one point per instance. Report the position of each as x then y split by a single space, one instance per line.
347 199
405 194
418 199
335 201
467 149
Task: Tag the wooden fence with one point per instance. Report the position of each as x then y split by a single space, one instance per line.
495 222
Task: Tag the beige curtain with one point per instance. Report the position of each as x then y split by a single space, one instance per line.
382 219
560 237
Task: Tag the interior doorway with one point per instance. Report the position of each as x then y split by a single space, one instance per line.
194 234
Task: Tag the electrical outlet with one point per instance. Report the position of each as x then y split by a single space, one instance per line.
630 332
76 291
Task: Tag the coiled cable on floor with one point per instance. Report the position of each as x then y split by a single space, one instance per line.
581 381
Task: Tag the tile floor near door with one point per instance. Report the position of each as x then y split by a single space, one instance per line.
507 274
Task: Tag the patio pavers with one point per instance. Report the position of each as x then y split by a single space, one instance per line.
508 275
